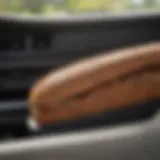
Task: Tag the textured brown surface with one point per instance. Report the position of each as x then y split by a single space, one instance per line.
105 82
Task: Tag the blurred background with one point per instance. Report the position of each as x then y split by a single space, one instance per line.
62 7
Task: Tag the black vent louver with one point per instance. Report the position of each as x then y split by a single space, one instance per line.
20 67
22 60
23 40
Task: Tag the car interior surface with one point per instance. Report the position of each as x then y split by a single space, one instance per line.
32 47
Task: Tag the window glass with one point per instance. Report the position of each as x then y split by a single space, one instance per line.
62 7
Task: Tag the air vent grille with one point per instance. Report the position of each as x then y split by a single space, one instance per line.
14 84
26 41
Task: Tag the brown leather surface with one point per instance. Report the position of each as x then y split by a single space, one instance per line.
97 84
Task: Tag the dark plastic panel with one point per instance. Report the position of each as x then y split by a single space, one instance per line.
71 38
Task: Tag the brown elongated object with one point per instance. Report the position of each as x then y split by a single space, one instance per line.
91 86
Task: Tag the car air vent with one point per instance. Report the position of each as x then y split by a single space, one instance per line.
26 41
25 56
14 83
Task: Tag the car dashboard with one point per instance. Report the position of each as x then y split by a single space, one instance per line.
30 47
